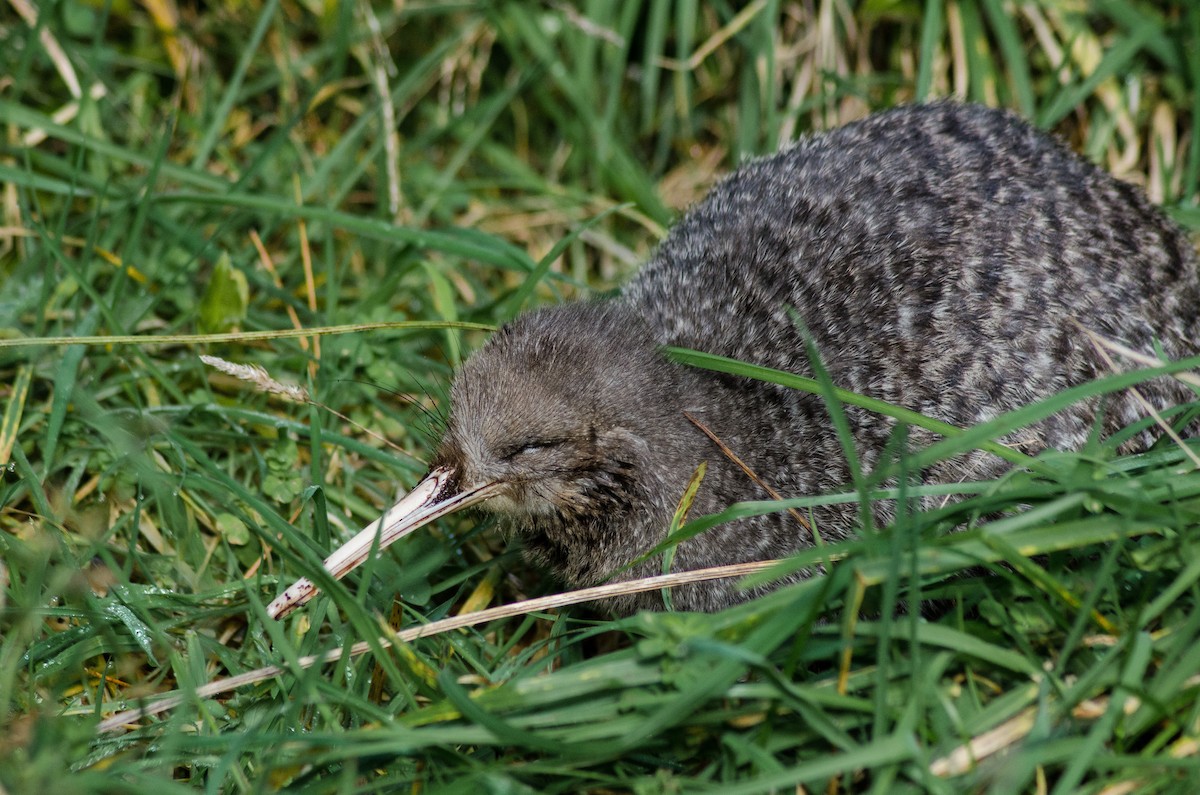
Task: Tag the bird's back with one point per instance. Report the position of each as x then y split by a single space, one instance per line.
943 257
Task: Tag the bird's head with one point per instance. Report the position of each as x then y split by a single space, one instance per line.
566 410
565 423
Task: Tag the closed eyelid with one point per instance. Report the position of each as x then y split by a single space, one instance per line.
528 445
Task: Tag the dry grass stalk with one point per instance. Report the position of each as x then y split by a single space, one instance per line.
732 456
1102 345
218 686
965 757
257 375
147 340
54 50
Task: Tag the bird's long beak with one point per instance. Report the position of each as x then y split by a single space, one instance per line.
435 496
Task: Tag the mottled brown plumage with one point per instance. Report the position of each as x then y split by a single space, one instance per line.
941 257
938 255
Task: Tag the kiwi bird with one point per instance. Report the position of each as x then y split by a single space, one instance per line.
943 258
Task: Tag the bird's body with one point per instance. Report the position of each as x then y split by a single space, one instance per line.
943 257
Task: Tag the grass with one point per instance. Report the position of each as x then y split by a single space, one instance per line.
415 174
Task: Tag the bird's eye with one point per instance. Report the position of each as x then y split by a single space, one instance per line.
530 446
